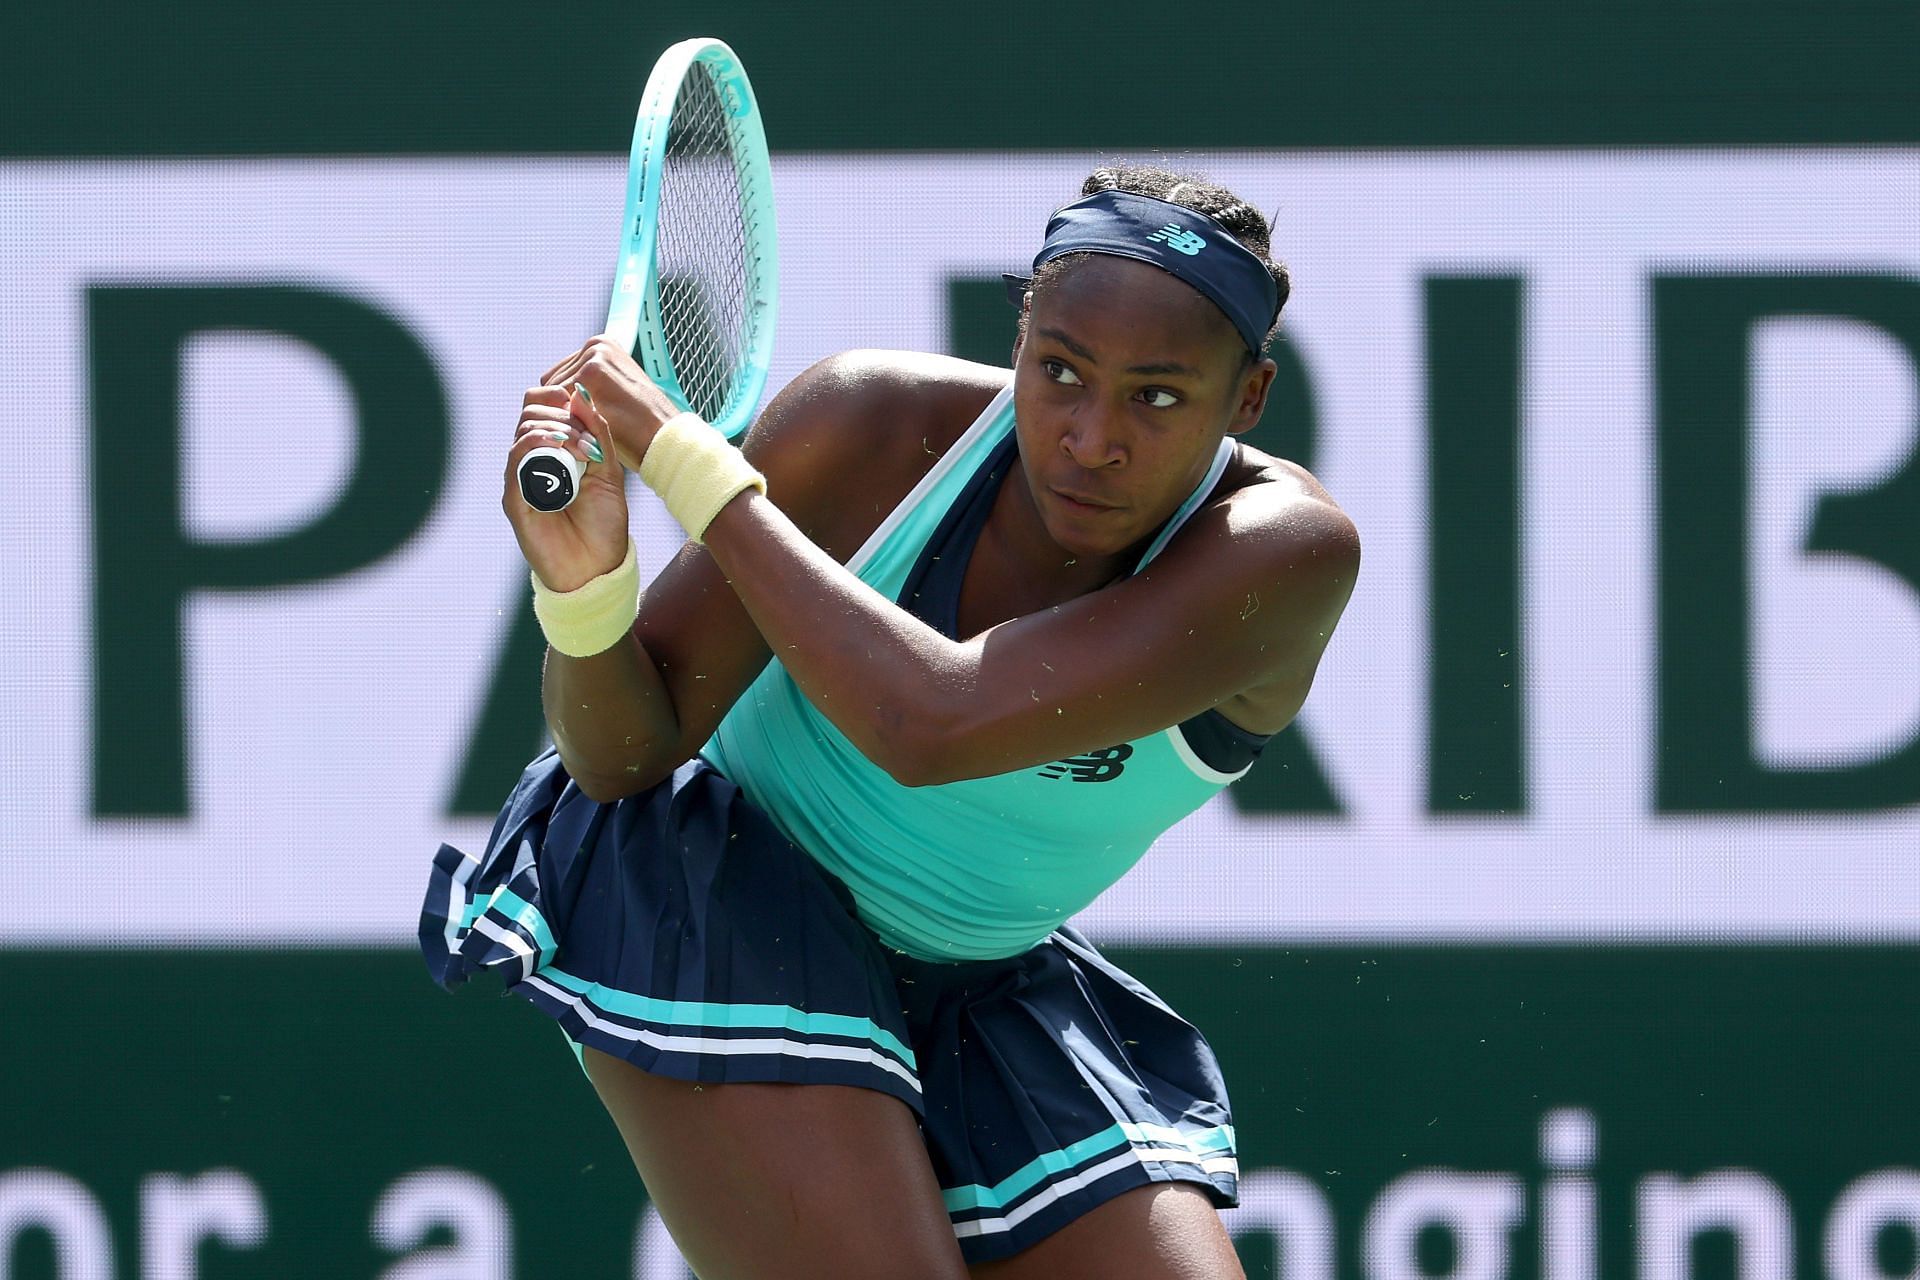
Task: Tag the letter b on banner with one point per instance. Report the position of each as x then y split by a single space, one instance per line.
1704 328
146 563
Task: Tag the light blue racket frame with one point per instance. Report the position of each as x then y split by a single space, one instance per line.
633 315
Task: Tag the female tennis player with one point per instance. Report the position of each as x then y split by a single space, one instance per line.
949 647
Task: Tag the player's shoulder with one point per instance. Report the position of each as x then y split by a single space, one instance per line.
864 425
1275 509
866 397
878 371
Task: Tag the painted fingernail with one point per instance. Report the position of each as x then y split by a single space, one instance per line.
561 436
580 390
593 449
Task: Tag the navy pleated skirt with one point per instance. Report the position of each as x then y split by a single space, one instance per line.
679 930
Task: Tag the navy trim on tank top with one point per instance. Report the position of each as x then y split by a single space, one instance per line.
931 593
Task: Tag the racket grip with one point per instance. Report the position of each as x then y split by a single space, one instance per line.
550 478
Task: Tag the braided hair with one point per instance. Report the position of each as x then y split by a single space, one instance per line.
1192 191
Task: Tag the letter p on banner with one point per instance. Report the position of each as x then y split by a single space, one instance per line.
147 563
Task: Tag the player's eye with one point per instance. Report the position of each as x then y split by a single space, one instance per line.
1057 371
1160 397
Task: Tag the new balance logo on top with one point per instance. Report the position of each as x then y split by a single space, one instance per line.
1179 239
1103 765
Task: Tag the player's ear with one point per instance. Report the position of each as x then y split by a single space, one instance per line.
1020 331
1253 387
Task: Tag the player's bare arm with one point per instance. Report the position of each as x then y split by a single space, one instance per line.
1237 612
625 718
1245 603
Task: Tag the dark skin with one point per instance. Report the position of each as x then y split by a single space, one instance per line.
1125 380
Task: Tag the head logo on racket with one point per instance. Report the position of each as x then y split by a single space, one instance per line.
733 94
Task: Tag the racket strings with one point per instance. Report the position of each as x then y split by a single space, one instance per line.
701 253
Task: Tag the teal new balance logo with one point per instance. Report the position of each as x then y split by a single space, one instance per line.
1103 765
1179 239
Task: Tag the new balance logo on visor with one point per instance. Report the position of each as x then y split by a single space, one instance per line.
1179 239
1103 765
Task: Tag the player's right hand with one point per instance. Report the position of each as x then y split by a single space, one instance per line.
570 547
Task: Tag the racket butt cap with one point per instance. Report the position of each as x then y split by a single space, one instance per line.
550 478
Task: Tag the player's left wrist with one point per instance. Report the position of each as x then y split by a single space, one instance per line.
696 471
626 412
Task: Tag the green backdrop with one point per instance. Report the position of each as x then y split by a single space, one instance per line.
205 77
324 1076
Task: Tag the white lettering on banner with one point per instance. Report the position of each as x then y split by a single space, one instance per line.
1286 1212
50 1201
463 1203
1569 1205
655 1255
326 721
1869 1205
177 1213
1478 1210
1749 1205
1293 1212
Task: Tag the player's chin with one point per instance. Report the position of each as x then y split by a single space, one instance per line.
1087 536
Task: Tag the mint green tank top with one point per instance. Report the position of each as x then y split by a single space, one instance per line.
969 870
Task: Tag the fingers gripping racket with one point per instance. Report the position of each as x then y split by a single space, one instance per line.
693 296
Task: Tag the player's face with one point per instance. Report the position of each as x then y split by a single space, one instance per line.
1123 385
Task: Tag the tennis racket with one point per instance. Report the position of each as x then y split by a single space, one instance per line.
693 297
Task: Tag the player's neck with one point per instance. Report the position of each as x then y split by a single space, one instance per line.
1035 566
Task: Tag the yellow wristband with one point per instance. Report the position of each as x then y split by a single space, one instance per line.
696 472
591 618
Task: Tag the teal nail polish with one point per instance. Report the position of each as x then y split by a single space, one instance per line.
593 449
580 390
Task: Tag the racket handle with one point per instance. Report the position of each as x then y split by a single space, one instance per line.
550 478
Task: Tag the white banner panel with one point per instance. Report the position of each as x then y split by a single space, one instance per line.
325 721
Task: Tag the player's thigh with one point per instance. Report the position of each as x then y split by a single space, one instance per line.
779 1180
1164 1231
